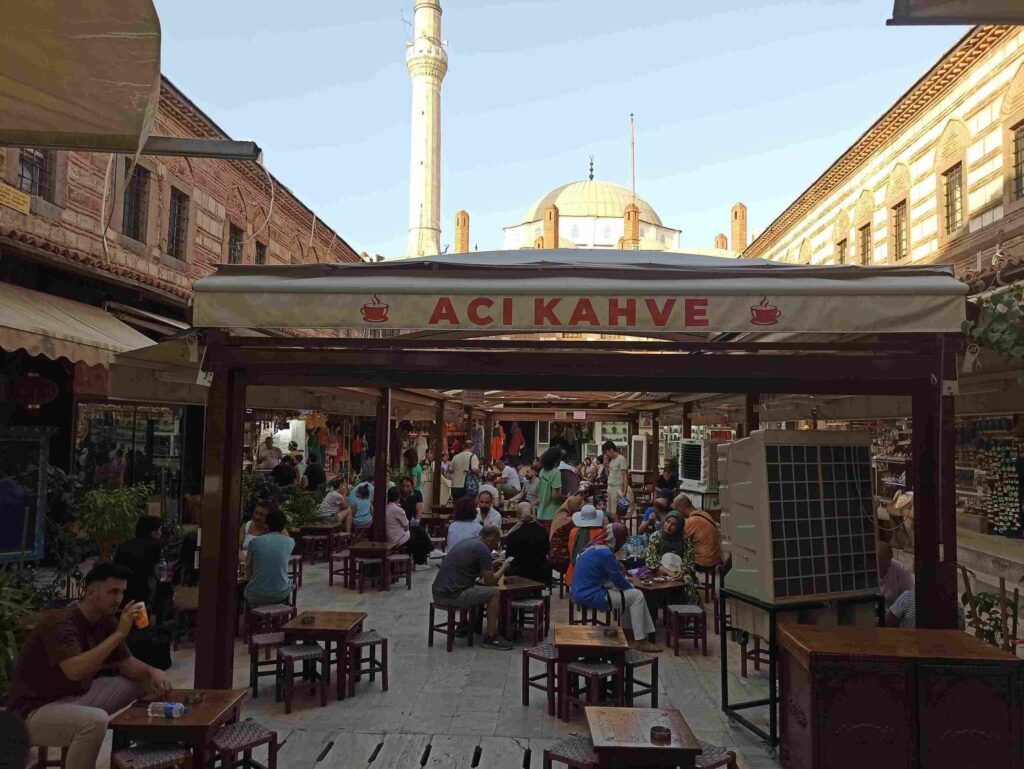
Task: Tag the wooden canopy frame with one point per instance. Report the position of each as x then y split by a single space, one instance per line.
921 365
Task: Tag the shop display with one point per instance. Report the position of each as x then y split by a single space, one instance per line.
988 472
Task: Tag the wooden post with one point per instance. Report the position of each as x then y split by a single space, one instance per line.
752 420
934 498
221 520
435 491
381 462
688 419
488 428
655 446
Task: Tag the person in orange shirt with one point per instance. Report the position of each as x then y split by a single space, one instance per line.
702 530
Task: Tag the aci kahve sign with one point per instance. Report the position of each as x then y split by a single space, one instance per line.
958 12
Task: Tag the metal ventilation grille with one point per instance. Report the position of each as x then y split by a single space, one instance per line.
820 512
690 457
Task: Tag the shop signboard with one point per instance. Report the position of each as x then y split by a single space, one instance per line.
957 12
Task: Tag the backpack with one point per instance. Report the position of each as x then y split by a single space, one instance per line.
472 485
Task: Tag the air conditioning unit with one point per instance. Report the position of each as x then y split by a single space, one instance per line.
640 453
797 515
698 464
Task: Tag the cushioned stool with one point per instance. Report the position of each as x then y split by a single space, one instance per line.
311 545
264 642
295 569
310 654
339 567
714 757
526 614
400 565
588 616
575 752
358 665
447 627
595 674
369 570
634 686
685 621
243 737
548 654
151 757
267 619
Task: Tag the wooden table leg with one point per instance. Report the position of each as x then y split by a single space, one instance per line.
351 572
563 685
199 755
339 658
385 572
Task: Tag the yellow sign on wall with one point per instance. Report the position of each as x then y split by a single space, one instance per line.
15 198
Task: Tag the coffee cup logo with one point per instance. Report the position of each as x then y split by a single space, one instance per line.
764 313
375 311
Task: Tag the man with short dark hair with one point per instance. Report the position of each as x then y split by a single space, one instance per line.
456 581
141 556
509 483
486 513
618 474
53 687
267 563
315 475
284 473
411 499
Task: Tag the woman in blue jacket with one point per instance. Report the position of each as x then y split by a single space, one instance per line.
598 582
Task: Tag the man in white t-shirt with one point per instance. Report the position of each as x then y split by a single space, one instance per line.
618 473
270 455
463 463
510 484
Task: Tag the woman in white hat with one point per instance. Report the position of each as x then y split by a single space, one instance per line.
587 530
670 554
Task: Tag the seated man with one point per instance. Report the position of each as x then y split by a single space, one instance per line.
893 577
598 582
53 687
654 517
527 544
141 556
487 514
267 563
456 581
530 488
509 485
702 531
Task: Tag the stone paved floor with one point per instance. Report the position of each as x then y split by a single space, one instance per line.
465 706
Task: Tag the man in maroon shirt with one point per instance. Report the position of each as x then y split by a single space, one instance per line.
53 686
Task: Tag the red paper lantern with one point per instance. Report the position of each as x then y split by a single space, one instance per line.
32 391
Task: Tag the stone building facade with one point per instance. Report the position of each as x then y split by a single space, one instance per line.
938 178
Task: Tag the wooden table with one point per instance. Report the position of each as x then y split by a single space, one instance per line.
587 642
367 549
657 594
323 529
330 627
622 737
194 729
434 523
512 589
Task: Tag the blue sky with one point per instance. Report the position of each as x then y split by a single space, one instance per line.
734 100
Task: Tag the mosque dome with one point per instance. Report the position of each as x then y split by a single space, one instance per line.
592 198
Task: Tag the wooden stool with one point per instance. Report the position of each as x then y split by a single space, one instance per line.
358 664
714 757
588 616
313 544
151 757
400 565
362 575
339 567
709 591
634 686
447 627
243 737
339 540
267 619
548 654
685 621
546 596
264 641
360 532
309 654
43 760
757 654
295 569
596 674
575 752
523 615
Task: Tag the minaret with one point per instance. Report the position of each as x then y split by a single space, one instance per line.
427 63
739 227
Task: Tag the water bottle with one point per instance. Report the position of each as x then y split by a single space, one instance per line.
166 710
162 570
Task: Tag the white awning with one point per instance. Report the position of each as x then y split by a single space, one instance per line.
42 324
584 290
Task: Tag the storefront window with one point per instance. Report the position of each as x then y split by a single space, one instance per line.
121 445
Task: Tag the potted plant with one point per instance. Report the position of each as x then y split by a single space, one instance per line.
17 601
300 506
108 516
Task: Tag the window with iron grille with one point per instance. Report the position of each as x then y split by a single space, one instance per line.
841 252
177 225
35 173
864 236
1018 160
136 197
261 253
953 198
900 232
236 242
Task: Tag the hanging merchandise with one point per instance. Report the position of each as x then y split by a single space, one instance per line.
478 440
497 440
988 459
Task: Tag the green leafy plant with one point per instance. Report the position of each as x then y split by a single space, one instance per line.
108 516
300 506
17 600
1000 323
985 617
257 487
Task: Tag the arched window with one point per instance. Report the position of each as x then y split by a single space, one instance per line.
841 238
897 201
862 216
950 181
1012 117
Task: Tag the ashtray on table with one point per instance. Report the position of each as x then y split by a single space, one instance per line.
307 619
661 735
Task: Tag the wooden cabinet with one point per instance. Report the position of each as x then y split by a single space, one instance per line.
881 697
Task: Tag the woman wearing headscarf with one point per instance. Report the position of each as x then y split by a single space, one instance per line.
527 544
561 525
600 584
587 529
670 554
